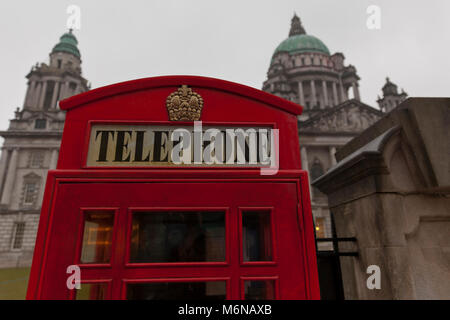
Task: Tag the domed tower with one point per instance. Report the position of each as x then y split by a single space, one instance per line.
31 148
61 78
302 70
391 96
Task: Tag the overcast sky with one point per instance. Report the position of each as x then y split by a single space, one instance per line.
231 40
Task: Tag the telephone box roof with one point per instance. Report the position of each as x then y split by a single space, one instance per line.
174 81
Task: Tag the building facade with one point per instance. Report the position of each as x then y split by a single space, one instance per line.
303 70
31 146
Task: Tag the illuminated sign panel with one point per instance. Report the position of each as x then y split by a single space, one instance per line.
124 145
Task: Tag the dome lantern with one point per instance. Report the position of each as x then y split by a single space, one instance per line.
296 26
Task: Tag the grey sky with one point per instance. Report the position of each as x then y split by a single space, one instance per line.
232 40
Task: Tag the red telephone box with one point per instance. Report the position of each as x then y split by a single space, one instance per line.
157 196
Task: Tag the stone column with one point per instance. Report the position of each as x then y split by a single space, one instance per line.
301 94
355 91
325 94
54 159
36 94
343 94
28 94
55 95
42 95
313 93
305 166
66 90
335 95
61 91
332 157
10 177
3 162
62 85
304 157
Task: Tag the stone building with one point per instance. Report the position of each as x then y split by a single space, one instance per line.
31 146
391 97
303 70
390 190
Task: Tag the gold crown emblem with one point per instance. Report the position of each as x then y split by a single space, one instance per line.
184 105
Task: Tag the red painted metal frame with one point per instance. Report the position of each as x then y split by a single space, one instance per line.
143 102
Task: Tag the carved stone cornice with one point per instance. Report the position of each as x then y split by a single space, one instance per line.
349 117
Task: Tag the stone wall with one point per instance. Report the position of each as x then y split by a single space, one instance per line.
22 257
391 190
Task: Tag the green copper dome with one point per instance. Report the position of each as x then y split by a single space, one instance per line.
67 43
299 41
302 43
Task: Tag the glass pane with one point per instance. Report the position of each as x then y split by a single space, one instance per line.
98 229
178 237
320 228
91 291
257 238
210 290
259 289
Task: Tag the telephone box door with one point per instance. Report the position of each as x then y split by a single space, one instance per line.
176 240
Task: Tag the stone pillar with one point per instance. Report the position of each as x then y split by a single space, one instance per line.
42 95
305 166
355 91
36 94
335 95
304 157
332 157
325 94
313 93
3 162
66 90
343 94
55 95
301 94
54 159
28 94
10 177
62 85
